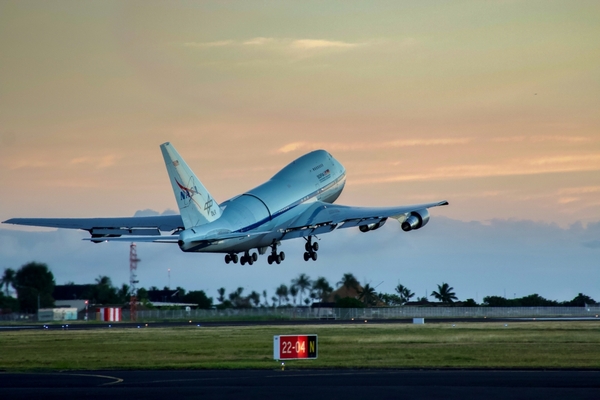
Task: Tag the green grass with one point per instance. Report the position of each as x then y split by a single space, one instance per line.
468 345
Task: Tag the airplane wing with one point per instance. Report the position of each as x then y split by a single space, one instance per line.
109 227
321 217
175 238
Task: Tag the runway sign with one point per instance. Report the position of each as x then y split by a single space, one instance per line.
294 347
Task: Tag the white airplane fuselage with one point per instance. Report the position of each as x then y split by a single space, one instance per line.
316 176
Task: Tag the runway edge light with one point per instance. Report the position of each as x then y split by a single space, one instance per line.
295 347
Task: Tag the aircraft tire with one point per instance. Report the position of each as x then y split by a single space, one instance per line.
282 256
250 261
315 246
314 256
234 258
306 256
254 257
278 259
227 258
307 246
270 259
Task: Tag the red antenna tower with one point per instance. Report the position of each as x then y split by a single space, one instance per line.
133 262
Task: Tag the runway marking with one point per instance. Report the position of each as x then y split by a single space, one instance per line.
282 375
116 380
19 327
188 380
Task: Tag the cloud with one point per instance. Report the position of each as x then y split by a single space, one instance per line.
309 44
151 213
98 162
220 43
512 167
580 190
283 45
358 146
259 41
543 138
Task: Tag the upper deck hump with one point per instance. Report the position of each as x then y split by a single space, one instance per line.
303 165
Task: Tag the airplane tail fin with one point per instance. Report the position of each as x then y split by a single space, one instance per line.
196 205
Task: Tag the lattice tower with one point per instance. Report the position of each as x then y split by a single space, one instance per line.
133 263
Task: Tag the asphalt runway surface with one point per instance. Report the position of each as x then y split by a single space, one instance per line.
168 324
303 384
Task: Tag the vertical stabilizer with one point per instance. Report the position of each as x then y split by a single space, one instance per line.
196 205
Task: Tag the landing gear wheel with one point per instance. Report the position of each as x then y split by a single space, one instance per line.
227 258
254 257
278 259
234 258
282 256
314 256
270 259
243 260
250 261
307 246
315 246
306 256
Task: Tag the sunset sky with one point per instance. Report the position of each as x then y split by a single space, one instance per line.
491 105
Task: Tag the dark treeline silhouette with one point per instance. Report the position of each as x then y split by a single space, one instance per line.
35 288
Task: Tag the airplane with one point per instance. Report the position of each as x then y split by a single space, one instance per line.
297 202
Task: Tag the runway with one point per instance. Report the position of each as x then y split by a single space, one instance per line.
78 325
303 384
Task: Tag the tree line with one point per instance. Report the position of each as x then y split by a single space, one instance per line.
34 284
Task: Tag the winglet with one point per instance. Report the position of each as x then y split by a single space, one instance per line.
196 205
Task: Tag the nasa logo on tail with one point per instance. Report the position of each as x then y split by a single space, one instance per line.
188 193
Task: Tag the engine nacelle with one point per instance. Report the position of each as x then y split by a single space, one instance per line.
373 226
415 220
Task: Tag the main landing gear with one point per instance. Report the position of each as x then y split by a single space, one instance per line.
246 258
274 257
311 249
231 258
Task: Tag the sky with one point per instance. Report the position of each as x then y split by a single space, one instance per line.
490 105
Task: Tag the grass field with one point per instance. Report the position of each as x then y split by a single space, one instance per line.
467 345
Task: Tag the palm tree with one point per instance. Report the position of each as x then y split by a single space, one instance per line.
103 281
236 297
302 282
255 298
445 294
8 279
282 293
294 293
221 297
266 298
322 288
368 295
404 293
349 281
124 293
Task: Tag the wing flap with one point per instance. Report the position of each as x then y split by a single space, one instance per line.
108 226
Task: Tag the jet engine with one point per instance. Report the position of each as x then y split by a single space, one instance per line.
415 220
373 226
